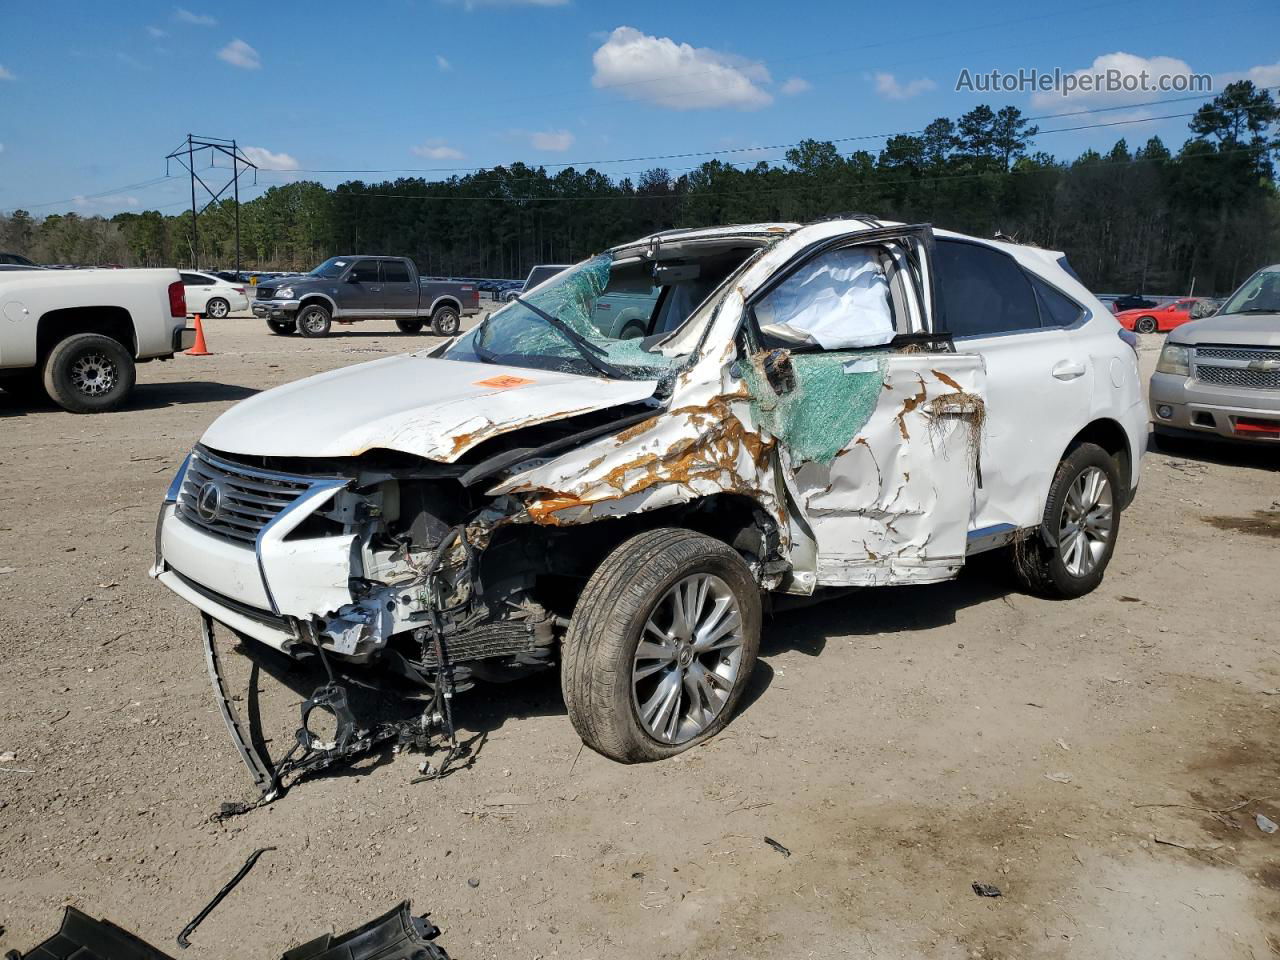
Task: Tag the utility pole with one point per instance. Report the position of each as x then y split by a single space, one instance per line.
185 155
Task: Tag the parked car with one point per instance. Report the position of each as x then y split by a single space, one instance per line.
77 335
1219 377
211 296
15 260
849 403
537 275
353 288
1161 319
1132 301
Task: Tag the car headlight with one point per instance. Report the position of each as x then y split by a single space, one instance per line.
284 293
1175 359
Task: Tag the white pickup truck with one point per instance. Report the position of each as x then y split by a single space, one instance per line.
76 334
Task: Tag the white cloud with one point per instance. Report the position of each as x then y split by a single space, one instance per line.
240 54
266 160
437 149
6 74
156 33
195 19
113 201
1126 69
887 86
1266 75
796 85
443 63
676 75
554 140
476 4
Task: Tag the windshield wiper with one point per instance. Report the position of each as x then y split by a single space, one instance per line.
591 352
1258 310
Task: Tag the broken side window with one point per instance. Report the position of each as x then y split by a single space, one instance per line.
837 301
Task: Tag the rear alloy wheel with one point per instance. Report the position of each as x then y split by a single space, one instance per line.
314 321
1146 325
409 325
89 373
1083 513
445 322
283 328
661 645
217 308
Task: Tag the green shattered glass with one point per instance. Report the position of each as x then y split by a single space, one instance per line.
832 401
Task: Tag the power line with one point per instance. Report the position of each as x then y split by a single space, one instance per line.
725 151
806 188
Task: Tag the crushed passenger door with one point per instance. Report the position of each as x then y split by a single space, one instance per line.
880 445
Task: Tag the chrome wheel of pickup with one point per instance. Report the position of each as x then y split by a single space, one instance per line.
93 374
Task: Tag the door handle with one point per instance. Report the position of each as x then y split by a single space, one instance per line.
1068 369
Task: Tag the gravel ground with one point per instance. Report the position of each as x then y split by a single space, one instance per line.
1101 761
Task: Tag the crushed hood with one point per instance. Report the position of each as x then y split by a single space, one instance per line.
1237 329
436 409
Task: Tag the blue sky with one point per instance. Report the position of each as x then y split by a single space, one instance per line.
92 95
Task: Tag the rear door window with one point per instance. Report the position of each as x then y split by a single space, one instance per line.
393 271
982 292
1056 309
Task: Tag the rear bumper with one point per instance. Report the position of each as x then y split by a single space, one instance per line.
1192 408
275 309
184 338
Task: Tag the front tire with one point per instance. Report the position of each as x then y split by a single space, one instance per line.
661 645
1083 512
89 373
1146 325
314 320
217 308
445 322
409 326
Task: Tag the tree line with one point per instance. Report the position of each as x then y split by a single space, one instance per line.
1144 218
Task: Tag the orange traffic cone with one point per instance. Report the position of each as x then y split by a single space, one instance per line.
200 349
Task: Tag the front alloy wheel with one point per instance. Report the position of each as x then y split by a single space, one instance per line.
688 658
661 645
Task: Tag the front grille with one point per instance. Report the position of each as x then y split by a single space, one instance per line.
248 498
1238 353
1239 377
264 293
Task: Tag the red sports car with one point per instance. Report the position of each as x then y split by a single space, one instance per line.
1165 317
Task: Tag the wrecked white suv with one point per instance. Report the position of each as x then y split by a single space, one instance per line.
843 404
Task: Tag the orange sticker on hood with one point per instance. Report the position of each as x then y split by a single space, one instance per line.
503 382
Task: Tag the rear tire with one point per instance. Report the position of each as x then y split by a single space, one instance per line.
642 681
1146 325
217 308
409 326
283 328
89 373
314 321
445 322
1083 512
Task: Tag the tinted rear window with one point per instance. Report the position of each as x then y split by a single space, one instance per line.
982 291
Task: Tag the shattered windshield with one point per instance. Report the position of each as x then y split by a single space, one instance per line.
331 269
594 319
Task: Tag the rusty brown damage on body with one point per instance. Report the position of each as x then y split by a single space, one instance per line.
908 406
713 453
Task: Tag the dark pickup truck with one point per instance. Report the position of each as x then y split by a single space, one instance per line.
347 289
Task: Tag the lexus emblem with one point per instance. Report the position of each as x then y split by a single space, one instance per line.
209 501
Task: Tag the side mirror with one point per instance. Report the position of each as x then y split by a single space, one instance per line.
779 372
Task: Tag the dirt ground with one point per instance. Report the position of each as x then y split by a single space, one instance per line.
1101 761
